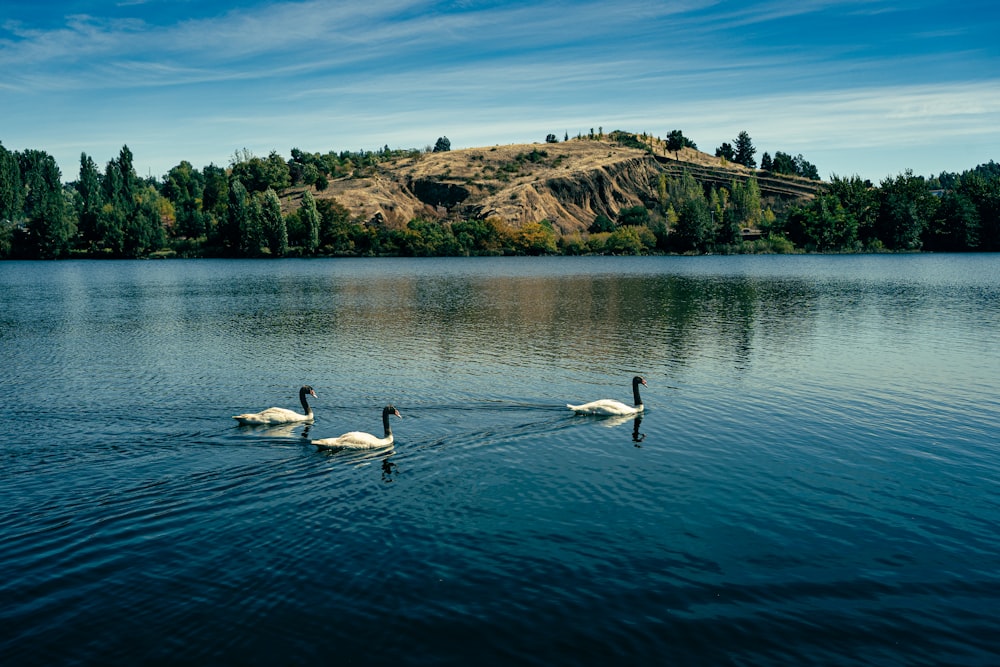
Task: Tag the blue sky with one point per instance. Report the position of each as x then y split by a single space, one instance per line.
866 87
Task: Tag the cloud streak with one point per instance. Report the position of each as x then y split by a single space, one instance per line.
816 77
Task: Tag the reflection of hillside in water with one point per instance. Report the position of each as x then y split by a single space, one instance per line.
583 321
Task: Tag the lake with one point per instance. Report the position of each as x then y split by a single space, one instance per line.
815 478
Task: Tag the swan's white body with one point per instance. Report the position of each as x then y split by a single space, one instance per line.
611 407
606 406
280 415
360 439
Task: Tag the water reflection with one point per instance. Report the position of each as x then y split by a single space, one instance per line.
276 430
636 436
618 420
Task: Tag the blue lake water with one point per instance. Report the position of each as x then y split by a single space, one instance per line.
815 479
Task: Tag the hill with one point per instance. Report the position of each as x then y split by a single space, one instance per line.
568 183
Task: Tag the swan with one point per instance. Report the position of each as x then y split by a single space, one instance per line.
360 440
607 406
280 415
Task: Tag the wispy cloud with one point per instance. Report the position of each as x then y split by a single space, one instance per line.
860 73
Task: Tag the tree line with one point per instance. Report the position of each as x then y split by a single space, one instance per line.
236 212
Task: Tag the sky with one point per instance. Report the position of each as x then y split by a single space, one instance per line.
857 87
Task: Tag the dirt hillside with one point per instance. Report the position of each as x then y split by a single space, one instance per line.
568 183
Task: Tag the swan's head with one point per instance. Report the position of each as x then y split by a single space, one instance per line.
390 410
306 389
638 380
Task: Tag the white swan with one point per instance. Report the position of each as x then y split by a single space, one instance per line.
607 406
280 415
361 440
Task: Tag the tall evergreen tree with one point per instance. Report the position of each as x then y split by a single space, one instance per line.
239 234
91 201
745 151
309 215
11 187
273 223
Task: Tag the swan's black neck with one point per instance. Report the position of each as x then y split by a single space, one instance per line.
385 423
305 404
635 392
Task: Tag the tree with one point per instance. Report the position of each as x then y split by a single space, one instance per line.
823 224
273 223
309 215
726 151
694 229
11 188
237 234
551 139
91 201
636 216
745 151
48 230
955 226
905 209
676 141
601 223
746 204
257 175
442 145
806 169
859 200
215 202
184 186
765 162
783 164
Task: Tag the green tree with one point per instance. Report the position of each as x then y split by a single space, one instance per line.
427 238
633 215
746 202
11 187
239 235
676 141
215 202
601 223
823 224
726 151
184 185
442 145
955 226
309 215
982 187
905 210
805 168
629 240
694 229
765 162
535 238
784 164
91 201
272 222
477 237
745 151
257 174
859 200
49 229
143 228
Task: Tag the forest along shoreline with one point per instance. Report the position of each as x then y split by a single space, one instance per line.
616 194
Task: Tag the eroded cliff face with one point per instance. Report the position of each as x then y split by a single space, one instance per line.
568 183
571 202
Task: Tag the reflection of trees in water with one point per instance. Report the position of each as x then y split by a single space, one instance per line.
593 322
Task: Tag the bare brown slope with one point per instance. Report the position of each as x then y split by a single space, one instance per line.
568 183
